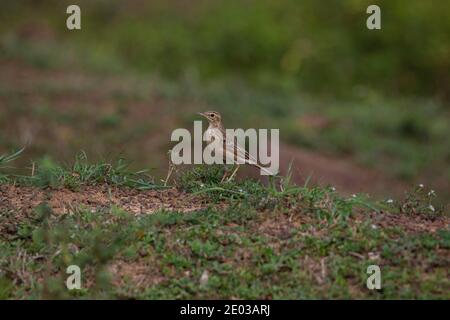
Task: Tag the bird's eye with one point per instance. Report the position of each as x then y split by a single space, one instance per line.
212 115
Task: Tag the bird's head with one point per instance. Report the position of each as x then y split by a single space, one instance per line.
213 117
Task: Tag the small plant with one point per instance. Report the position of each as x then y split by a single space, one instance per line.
420 201
48 174
201 176
4 160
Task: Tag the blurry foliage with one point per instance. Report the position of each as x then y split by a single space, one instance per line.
322 48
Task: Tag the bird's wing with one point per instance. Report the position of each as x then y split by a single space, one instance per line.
234 149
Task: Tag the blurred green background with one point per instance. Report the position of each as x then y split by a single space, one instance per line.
375 100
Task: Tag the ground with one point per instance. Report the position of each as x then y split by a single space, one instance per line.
200 238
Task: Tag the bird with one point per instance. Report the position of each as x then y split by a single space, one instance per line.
230 150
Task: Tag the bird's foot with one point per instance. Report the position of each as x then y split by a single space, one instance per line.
224 177
233 174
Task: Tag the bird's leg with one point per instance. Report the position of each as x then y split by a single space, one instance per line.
169 173
171 168
224 175
234 172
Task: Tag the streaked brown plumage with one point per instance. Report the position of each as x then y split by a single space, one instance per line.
231 150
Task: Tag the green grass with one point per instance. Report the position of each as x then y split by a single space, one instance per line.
279 241
45 173
242 261
4 160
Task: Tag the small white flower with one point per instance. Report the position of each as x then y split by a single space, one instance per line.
240 190
432 193
201 185
390 201
354 195
431 208
204 278
333 189
374 226
421 185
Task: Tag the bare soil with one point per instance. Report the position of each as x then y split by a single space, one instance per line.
62 201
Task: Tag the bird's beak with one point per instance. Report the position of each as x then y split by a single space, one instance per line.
201 114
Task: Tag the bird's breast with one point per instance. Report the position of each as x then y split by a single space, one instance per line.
210 135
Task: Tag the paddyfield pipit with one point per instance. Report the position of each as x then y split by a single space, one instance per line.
227 148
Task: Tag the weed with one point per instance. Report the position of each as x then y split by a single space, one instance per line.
5 159
419 200
48 174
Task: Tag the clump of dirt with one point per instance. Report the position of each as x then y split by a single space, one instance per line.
410 223
24 199
21 200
